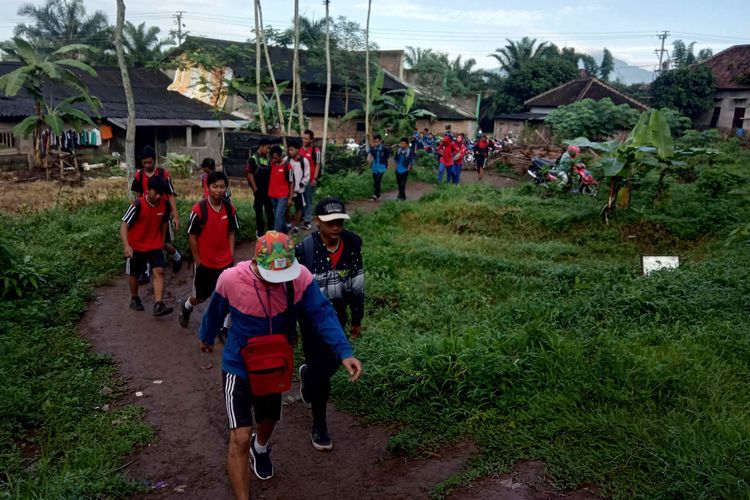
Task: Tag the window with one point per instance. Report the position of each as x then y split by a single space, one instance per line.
198 137
715 117
739 115
360 126
6 140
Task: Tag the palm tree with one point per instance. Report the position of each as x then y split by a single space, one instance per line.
415 57
63 22
516 54
683 55
40 68
142 46
127 87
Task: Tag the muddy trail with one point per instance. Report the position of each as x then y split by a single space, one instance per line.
180 389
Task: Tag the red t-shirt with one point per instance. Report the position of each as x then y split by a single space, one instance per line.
278 186
447 150
213 233
335 256
140 182
312 154
144 224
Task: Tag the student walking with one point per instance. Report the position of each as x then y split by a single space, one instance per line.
404 161
142 231
312 152
258 173
378 158
300 171
208 165
333 255
263 297
211 234
280 189
454 175
446 152
481 152
140 186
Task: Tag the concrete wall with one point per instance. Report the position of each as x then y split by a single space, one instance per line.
727 100
503 127
467 127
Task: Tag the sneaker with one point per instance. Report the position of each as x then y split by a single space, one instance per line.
223 332
144 279
184 316
262 465
374 198
302 371
177 265
136 304
160 309
321 441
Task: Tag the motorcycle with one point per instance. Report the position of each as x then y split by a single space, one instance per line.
545 173
586 183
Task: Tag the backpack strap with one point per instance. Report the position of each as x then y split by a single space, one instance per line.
204 211
292 332
308 244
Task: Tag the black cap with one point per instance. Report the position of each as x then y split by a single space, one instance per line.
148 152
330 208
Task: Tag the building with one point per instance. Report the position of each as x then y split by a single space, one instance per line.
538 107
731 70
166 120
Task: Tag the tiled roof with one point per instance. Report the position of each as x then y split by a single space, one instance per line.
579 89
521 116
731 67
152 99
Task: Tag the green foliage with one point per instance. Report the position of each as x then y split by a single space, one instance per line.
684 56
340 160
533 78
678 123
607 66
597 120
20 278
529 324
180 165
717 181
441 77
426 161
689 90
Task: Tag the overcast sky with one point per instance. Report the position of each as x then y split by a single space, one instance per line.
472 28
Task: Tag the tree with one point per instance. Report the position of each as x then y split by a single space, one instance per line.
535 77
142 46
297 89
60 23
327 104
689 90
276 92
123 64
367 72
42 67
683 55
597 120
259 99
415 57
607 66
516 55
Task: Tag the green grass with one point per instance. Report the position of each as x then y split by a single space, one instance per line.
358 185
524 323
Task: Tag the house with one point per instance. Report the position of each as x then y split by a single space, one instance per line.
166 120
731 70
538 107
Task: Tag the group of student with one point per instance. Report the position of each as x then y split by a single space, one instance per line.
257 304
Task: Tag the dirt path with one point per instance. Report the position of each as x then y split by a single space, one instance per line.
182 396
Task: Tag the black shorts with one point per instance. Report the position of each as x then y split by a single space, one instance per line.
481 161
204 281
299 201
240 403
136 265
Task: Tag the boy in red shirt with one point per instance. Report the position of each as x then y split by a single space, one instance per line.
446 152
211 230
140 186
280 189
142 231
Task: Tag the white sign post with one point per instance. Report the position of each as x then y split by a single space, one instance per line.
651 263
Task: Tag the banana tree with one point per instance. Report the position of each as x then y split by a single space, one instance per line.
400 116
649 146
375 104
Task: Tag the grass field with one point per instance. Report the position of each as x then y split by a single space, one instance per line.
524 323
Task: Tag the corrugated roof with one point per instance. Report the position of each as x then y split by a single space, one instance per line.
579 89
152 99
729 66
532 117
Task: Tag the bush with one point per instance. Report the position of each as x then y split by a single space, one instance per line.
597 120
180 166
340 160
717 181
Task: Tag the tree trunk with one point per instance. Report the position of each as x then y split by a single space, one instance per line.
297 80
130 133
282 123
328 89
367 73
258 87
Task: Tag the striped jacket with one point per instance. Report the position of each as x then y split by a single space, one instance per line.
259 308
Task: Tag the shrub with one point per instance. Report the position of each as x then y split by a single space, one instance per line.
180 166
717 181
597 120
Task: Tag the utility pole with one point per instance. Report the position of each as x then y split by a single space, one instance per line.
178 19
660 53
